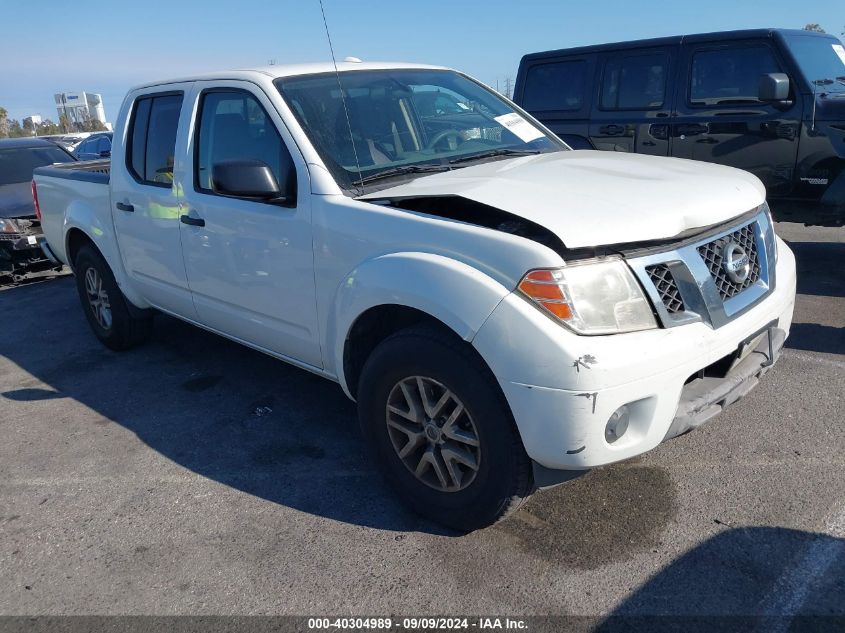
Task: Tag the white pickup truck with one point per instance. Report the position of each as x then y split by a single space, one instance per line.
505 311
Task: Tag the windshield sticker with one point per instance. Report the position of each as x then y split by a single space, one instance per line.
519 126
840 52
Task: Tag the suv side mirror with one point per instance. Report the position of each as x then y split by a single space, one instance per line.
246 179
774 87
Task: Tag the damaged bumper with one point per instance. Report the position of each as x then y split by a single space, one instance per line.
563 389
20 254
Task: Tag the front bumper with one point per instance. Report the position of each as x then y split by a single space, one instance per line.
20 254
563 388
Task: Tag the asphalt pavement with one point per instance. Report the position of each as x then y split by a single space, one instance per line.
195 476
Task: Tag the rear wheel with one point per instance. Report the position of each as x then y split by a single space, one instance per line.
441 430
104 304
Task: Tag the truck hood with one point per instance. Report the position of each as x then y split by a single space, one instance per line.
590 198
16 200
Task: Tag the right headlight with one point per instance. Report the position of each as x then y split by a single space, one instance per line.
600 297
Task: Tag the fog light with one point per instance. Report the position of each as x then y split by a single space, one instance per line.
617 424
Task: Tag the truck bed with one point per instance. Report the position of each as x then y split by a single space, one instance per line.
73 194
86 170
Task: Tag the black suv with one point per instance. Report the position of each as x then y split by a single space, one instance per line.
770 101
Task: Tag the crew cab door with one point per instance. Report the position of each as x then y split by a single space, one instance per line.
145 188
631 112
249 262
719 118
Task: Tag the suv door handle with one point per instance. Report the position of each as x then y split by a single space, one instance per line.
691 129
122 206
612 129
186 219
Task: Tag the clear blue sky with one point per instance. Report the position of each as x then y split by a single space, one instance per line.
108 46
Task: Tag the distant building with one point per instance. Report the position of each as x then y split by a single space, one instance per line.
79 107
32 121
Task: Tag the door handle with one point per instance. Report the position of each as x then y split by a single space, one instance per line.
611 130
122 206
707 140
691 129
659 131
186 219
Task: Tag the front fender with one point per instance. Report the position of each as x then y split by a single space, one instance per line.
458 295
83 217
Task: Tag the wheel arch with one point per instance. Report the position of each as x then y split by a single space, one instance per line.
390 292
93 234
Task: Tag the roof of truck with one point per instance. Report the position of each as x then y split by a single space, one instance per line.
676 39
291 70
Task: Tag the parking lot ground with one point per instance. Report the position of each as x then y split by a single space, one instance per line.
195 476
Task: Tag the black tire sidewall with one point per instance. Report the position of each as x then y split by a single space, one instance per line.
120 335
415 354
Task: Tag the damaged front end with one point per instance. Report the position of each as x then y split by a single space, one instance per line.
462 209
20 247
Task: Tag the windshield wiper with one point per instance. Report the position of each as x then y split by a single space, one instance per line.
496 152
399 171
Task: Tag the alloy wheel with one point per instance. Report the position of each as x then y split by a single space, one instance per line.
98 298
433 433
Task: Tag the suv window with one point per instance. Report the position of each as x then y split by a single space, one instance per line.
234 126
635 83
152 138
555 86
103 144
730 75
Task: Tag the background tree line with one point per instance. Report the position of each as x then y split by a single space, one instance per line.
817 28
12 128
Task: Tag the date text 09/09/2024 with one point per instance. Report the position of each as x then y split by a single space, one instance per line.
415 624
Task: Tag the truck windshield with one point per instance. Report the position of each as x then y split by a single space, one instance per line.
820 58
404 123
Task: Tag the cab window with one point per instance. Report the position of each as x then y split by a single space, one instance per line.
636 82
557 86
234 126
152 139
731 75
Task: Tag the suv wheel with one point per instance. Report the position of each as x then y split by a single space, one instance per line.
104 304
441 430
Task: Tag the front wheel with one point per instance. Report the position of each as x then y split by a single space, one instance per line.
441 430
104 304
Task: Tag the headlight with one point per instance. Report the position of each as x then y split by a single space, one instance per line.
9 226
591 298
771 220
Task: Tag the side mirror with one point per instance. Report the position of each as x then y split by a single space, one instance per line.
246 179
774 87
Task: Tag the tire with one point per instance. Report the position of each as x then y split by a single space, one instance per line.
116 327
437 362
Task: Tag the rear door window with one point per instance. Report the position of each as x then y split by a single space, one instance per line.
635 82
152 137
730 75
555 86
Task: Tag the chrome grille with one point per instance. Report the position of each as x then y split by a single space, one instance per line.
695 266
667 288
711 253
